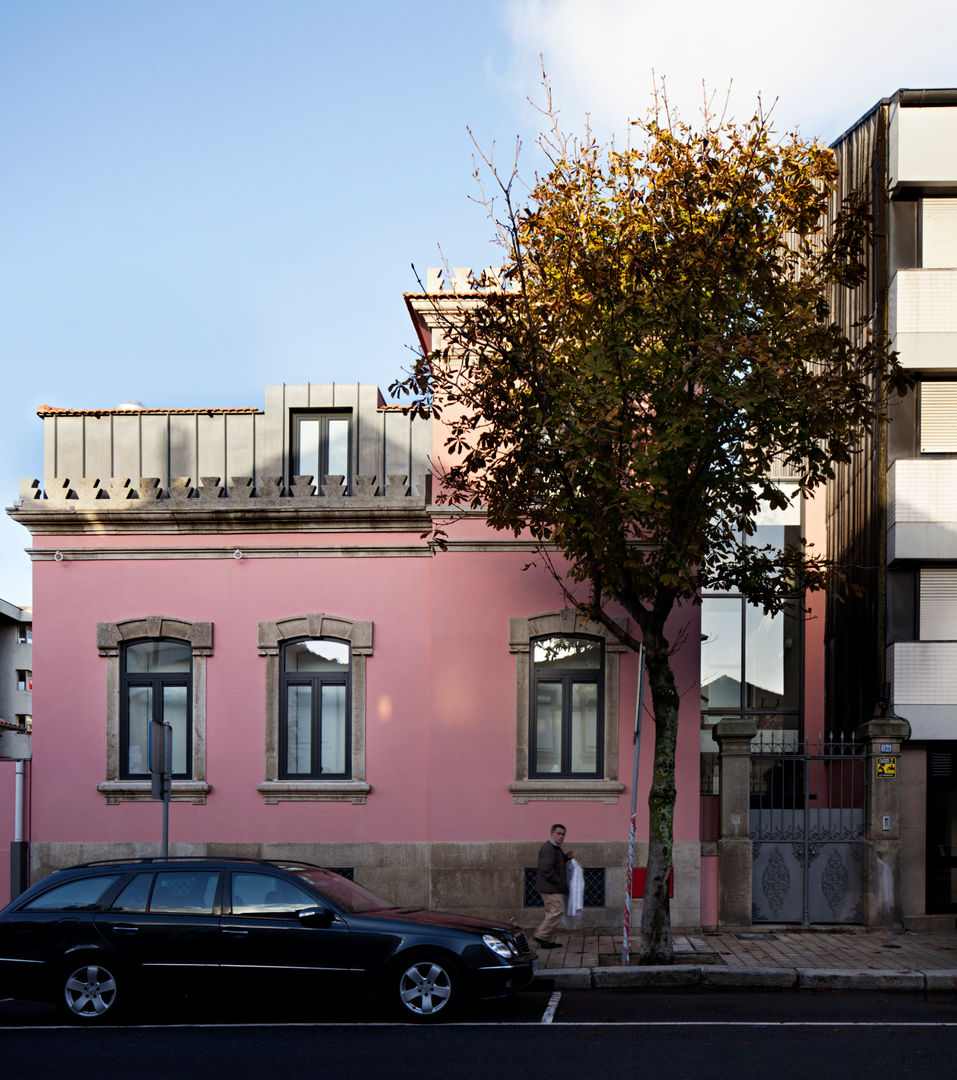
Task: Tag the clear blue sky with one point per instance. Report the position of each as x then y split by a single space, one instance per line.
199 199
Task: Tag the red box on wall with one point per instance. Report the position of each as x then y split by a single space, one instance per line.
638 877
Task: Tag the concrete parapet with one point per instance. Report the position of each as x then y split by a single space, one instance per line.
192 493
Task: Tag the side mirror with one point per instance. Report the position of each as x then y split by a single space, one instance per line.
316 916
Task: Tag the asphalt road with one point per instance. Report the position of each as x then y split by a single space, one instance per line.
780 1035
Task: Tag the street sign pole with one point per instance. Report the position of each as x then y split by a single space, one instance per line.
161 767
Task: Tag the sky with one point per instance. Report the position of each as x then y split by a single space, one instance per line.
200 198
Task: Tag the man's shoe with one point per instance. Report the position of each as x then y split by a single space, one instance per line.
547 944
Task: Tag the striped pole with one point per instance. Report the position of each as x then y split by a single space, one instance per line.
633 819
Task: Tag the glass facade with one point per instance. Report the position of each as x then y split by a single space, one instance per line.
752 662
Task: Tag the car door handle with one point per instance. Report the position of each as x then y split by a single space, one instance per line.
126 929
231 930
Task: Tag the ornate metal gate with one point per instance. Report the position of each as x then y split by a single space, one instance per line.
807 831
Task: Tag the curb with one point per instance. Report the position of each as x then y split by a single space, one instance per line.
601 978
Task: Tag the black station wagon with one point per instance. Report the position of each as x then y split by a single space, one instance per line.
92 936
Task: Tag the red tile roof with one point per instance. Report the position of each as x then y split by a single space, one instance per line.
52 410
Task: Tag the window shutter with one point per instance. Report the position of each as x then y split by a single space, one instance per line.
938 604
938 417
939 233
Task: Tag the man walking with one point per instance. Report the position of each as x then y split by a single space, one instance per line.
553 885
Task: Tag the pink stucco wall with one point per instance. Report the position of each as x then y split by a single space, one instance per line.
440 716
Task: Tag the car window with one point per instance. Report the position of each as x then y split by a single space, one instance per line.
344 894
264 894
190 892
134 895
83 894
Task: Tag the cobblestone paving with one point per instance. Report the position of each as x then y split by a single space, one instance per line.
853 949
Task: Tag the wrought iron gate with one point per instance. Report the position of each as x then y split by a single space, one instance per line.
807 832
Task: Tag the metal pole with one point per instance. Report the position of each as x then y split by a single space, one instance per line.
18 805
19 859
633 818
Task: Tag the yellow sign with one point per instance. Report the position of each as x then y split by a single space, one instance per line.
887 768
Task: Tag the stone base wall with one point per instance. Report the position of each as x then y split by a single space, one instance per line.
481 879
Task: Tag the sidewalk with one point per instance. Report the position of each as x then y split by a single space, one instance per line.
765 957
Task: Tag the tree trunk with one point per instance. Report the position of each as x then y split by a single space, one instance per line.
656 942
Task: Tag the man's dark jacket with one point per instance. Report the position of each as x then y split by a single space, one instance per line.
551 869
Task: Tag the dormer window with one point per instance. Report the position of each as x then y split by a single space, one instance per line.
321 444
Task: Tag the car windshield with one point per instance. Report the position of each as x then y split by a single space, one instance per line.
345 894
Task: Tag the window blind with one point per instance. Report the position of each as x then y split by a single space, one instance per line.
938 604
938 417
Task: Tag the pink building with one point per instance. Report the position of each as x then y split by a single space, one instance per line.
338 691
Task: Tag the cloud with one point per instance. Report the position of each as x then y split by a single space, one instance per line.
824 62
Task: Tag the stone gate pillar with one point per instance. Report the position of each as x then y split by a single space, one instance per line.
882 737
734 737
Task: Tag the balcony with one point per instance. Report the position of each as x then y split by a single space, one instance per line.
922 509
922 319
922 147
924 677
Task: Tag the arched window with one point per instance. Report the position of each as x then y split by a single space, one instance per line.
155 666
315 708
156 687
315 721
566 710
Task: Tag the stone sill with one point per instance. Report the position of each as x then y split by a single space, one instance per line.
526 791
124 791
277 791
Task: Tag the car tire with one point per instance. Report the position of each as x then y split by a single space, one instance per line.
427 988
90 992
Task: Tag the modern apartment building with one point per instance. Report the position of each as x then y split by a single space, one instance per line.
16 724
892 513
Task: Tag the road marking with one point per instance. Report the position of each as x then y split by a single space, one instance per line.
406 1026
549 1015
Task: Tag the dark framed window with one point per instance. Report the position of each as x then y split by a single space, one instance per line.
567 706
315 729
321 444
155 686
25 633
24 679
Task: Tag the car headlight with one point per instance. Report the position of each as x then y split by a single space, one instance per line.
498 946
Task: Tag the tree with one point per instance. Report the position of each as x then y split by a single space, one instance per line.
661 331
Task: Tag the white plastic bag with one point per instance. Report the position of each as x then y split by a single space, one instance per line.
576 893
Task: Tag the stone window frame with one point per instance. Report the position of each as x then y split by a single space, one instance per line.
271 636
521 632
110 637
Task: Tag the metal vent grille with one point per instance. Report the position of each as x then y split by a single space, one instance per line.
594 893
344 871
941 765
